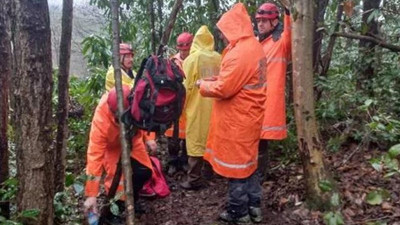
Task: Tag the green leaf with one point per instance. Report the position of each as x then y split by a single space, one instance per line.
335 199
376 164
376 197
333 218
368 102
69 179
394 151
390 174
114 209
30 213
325 185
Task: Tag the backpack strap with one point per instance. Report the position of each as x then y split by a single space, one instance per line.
115 182
175 133
105 211
141 70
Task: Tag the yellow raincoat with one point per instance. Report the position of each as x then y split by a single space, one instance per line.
126 79
202 63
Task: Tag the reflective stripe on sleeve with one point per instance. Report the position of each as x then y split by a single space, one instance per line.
254 86
275 128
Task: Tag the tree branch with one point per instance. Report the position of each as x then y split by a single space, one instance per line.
170 25
394 48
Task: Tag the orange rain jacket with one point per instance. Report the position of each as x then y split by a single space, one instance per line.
239 89
182 120
278 56
104 149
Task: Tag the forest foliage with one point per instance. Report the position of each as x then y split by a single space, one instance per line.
368 115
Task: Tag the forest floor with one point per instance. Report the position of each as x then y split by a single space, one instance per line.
284 196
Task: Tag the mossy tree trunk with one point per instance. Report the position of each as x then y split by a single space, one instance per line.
310 147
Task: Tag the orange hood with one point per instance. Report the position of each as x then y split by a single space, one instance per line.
235 24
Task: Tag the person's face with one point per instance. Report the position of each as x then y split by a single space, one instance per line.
184 53
127 61
266 25
223 38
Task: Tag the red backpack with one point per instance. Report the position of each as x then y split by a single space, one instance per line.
157 185
158 96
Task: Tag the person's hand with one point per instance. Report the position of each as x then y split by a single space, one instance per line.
198 83
285 3
90 204
152 145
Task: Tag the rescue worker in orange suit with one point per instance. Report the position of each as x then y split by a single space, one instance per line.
104 151
128 75
176 162
237 115
275 38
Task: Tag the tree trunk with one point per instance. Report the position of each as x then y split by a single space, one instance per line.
160 5
326 59
124 136
32 87
310 147
63 96
170 24
367 49
5 72
152 26
320 8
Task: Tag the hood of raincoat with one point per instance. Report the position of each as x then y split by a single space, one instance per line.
203 39
235 24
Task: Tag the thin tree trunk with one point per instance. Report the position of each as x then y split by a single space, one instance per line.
152 26
310 147
32 87
320 8
5 72
125 140
326 60
170 25
215 12
63 99
367 48
160 4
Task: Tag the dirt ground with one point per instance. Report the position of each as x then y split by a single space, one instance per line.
284 196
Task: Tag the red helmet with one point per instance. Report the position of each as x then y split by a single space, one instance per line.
125 49
268 11
184 41
112 98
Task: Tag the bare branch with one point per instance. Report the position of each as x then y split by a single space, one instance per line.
394 48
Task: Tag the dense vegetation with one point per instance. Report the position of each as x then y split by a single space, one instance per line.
353 105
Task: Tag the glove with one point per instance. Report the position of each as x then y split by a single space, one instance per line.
287 11
90 204
152 145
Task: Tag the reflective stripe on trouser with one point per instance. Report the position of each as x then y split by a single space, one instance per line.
243 193
230 165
